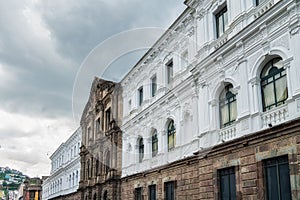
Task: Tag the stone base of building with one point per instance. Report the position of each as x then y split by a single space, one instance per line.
198 177
110 190
71 196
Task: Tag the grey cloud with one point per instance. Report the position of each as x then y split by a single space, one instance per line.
79 25
43 59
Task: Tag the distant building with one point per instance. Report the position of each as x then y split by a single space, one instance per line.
65 169
32 189
101 142
21 192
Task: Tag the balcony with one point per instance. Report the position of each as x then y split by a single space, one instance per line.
227 133
274 116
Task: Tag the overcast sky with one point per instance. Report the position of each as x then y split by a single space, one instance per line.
42 46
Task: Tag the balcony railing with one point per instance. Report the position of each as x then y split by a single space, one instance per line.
227 133
274 116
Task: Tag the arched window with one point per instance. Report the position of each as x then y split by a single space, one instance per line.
141 149
60 182
227 103
107 162
273 84
171 135
73 179
105 195
154 144
77 177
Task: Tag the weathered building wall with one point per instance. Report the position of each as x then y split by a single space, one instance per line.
71 196
197 177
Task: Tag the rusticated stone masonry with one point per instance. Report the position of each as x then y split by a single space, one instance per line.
197 177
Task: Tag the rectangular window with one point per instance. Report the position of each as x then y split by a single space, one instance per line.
277 178
154 144
107 118
141 96
138 194
153 86
258 2
227 184
170 190
98 125
221 21
169 71
152 192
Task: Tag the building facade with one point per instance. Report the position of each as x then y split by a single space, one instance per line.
32 189
65 169
101 148
212 110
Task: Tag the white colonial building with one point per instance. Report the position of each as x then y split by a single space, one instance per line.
224 69
65 168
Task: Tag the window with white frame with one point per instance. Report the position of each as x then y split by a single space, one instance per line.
273 84
153 85
228 107
169 67
141 149
141 95
221 19
154 144
171 135
257 2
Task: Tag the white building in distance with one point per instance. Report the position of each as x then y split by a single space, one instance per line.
65 168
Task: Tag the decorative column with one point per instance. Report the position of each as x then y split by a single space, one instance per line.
254 84
294 29
243 108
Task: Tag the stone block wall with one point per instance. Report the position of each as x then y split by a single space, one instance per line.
197 177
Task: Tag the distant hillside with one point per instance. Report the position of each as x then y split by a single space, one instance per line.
10 179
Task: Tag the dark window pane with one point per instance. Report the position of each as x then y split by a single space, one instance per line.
170 71
227 184
273 84
228 107
277 177
138 194
221 21
152 192
284 177
171 135
141 150
141 96
154 144
170 190
153 86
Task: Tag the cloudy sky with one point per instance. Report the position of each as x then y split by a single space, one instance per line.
43 45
